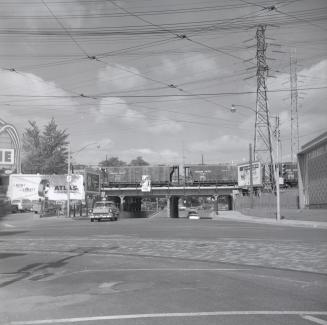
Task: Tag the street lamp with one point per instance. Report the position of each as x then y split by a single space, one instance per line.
275 168
69 177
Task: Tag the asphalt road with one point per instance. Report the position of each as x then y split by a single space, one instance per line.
160 271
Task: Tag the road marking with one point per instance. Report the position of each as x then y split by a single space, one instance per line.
166 315
315 320
7 225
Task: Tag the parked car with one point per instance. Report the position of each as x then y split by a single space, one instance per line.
21 205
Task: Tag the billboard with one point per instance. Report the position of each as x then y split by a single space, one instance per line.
92 182
243 174
7 157
52 187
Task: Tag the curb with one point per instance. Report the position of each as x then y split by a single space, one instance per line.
237 216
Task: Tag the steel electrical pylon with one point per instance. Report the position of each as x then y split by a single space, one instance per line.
294 108
262 136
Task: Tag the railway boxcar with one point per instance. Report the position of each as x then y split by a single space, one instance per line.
126 176
212 174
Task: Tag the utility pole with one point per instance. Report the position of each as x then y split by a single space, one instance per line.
262 135
294 107
68 182
277 170
251 174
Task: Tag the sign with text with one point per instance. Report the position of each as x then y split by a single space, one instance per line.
52 187
7 157
146 183
243 174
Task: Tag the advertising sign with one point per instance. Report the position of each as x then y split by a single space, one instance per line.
52 187
146 183
243 174
7 157
92 182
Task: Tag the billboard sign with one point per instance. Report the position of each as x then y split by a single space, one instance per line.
243 174
7 157
92 182
52 187
146 183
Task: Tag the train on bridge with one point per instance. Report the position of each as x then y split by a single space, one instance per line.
222 174
165 175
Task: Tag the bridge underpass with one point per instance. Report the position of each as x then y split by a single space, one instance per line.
130 199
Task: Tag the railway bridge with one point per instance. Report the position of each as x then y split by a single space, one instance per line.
127 195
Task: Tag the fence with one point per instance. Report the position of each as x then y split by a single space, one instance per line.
288 200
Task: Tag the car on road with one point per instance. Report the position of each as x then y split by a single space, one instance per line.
104 210
193 215
22 205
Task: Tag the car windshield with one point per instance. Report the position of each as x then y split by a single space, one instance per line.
104 205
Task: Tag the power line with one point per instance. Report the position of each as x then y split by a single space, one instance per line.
162 95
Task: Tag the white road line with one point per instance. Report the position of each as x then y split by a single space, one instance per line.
315 320
7 225
166 315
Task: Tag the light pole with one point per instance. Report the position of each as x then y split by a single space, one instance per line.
69 179
275 168
69 176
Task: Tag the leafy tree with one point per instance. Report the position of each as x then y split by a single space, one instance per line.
112 162
138 161
45 153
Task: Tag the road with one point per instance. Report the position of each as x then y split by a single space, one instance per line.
160 271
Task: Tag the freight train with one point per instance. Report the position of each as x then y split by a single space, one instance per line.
211 174
131 176
223 174
163 175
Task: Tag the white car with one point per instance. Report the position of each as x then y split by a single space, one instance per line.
193 215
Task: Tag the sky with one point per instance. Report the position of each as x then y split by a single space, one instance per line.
156 78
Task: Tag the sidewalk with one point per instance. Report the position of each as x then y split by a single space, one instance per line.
295 218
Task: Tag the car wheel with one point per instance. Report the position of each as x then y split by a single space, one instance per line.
92 220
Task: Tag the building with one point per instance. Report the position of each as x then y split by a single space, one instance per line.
10 155
312 161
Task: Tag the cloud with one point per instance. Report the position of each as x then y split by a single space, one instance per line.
26 96
151 155
166 126
227 146
117 77
117 109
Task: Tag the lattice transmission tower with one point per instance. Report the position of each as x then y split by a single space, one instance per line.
262 137
294 108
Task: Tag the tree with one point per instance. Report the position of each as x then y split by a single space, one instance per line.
138 161
45 153
32 150
112 162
